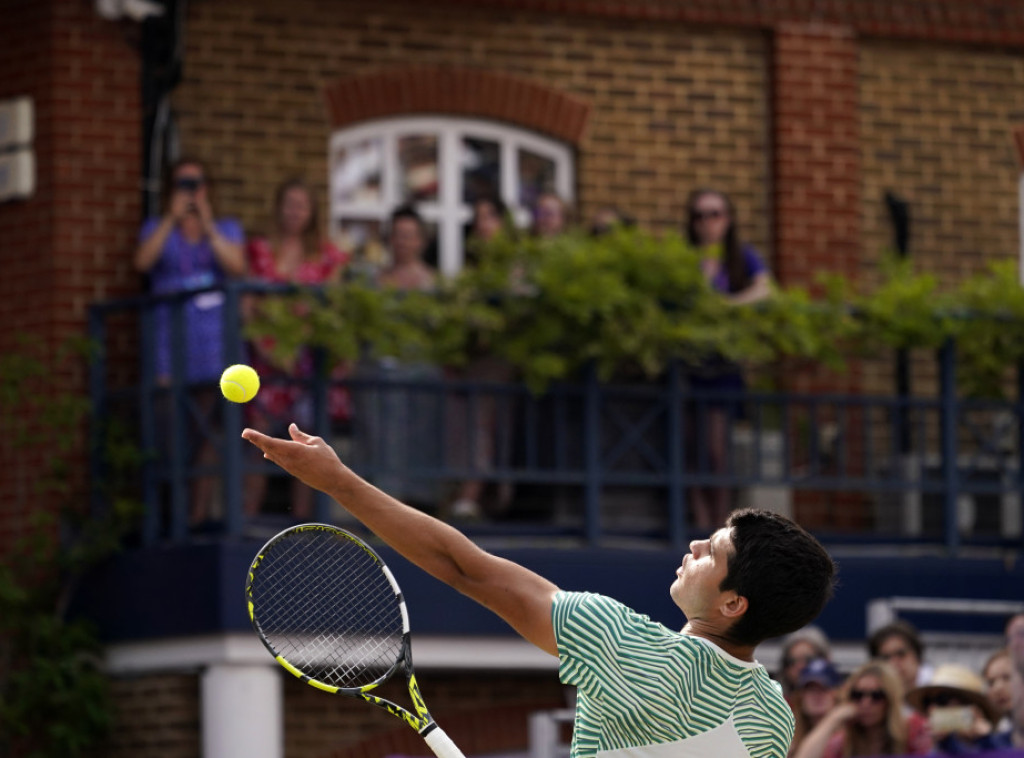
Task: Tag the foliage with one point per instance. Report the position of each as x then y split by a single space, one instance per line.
630 302
53 696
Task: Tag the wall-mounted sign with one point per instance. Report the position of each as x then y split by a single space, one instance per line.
16 123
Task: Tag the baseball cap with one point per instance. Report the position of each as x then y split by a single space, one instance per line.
821 671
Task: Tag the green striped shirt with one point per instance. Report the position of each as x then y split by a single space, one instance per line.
645 691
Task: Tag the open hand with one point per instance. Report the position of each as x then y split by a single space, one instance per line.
305 457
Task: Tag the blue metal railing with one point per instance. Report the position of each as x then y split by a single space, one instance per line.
567 450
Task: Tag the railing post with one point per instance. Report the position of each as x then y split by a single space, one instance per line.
147 430
592 455
949 424
98 397
181 469
232 442
677 531
321 424
1020 433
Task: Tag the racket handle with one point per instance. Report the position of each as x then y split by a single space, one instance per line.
441 744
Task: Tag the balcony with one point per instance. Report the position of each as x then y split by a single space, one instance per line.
601 474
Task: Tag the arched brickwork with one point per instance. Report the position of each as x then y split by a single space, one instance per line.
459 91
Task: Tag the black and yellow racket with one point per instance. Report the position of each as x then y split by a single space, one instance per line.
330 611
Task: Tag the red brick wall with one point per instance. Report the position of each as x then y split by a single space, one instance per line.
159 715
68 245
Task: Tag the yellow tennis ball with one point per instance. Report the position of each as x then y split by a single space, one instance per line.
239 383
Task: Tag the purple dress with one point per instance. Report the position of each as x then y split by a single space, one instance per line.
184 266
717 374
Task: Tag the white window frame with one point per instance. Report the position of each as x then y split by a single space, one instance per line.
449 213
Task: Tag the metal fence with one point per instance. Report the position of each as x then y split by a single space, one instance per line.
587 460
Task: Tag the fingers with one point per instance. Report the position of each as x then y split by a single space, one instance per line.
298 435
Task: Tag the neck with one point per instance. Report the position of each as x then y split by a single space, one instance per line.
711 634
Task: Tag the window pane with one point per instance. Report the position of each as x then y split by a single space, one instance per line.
536 175
356 172
417 167
481 169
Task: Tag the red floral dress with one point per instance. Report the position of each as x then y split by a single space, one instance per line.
284 402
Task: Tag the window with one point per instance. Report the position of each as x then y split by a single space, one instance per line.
441 165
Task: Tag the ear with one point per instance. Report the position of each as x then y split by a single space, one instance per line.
733 606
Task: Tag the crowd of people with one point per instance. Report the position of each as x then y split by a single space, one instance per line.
896 703
190 250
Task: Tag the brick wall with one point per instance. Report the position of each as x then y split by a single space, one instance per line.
69 244
155 715
159 715
481 713
670 107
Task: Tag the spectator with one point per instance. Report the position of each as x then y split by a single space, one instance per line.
736 271
868 721
480 425
899 645
1015 639
998 675
609 218
1017 714
799 649
961 718
815 695
407 238
397 418
187 249
295 253
550 215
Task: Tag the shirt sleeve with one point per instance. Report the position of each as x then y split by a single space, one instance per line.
590 630
753 261
261 260
148 227
231 230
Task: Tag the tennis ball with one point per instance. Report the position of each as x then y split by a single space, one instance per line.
239 383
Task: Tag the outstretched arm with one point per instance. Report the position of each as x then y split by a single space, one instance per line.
521 597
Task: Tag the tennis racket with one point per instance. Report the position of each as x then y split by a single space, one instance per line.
330 611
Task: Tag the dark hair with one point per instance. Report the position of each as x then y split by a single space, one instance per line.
619 220
732 246
311 234
898 628
500 208
408 211
785 574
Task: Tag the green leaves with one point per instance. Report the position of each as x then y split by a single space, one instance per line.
53 695
630 302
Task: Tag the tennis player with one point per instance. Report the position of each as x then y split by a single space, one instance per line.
643 690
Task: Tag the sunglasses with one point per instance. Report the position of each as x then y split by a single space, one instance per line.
941 700
876 696
705 215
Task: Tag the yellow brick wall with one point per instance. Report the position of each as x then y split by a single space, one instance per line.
672 107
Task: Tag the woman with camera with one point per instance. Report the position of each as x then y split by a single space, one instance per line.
188 249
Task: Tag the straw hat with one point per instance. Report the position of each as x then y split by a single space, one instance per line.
959 681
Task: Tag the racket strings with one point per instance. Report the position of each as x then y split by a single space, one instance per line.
324 604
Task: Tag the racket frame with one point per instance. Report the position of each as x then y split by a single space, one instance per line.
421 720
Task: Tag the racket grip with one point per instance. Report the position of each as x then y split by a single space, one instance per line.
441 744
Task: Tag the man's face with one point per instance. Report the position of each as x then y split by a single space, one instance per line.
898 653
696 588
